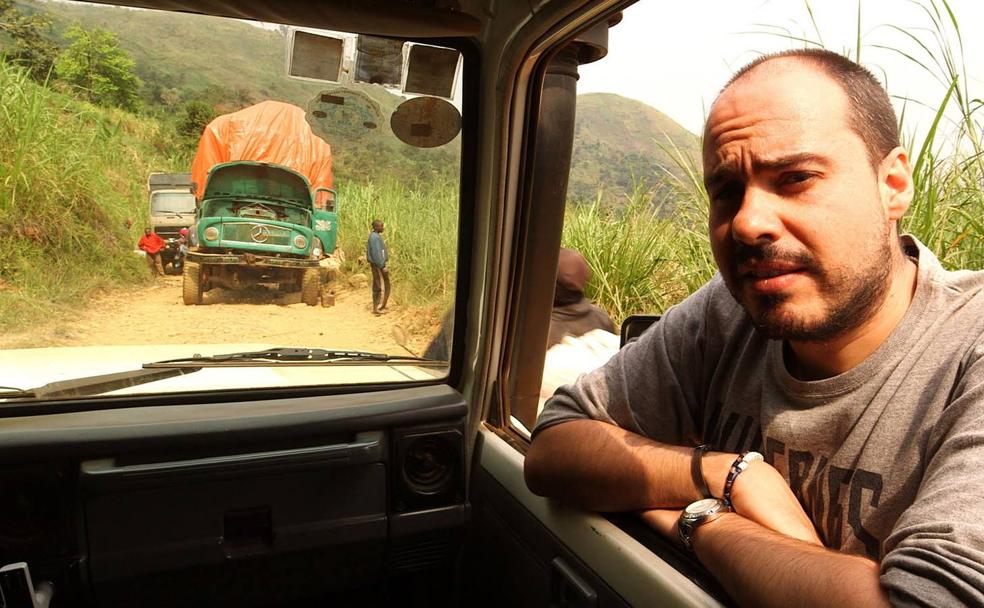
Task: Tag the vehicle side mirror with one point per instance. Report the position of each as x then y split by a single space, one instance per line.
328 202
634 325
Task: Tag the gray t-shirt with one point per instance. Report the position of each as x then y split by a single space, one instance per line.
886 458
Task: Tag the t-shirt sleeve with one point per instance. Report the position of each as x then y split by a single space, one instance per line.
935 554
652 386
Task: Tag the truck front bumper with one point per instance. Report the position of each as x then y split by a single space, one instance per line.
249 259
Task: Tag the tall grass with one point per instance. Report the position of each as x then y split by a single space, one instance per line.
646 254
421 234
947 213
62 208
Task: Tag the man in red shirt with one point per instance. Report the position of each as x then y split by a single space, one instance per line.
152 244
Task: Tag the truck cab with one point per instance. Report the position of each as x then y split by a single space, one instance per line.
172 207
257 223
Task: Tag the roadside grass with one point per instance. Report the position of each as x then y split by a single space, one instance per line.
62 208
644 257
947 213
421 234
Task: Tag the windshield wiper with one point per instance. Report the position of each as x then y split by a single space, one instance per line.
292 356
159 370
94 385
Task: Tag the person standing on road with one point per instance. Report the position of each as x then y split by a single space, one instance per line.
151 244
377 257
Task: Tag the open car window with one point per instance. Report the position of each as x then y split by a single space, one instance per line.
253 204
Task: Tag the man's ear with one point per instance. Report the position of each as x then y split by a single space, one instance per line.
895 183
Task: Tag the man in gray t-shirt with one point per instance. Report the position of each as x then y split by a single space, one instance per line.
840 350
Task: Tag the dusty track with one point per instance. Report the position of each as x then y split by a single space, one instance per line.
155 315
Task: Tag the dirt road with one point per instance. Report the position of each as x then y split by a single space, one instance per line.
154 314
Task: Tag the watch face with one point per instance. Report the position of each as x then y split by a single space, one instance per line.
701 506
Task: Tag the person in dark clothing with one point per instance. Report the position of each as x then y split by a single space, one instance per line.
377 257
573 314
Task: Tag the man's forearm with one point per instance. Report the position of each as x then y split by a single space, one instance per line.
759 567
601 467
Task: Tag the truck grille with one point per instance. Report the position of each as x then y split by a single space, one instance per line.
262 234
168 232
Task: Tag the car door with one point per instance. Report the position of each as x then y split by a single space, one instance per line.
527 550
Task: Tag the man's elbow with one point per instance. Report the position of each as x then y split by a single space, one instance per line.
540 466
534 469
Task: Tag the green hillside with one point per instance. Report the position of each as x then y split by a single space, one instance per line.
615 143
617 146
251 70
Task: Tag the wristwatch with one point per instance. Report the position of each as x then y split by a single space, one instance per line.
697 514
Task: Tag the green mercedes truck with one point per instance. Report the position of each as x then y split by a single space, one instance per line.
257 223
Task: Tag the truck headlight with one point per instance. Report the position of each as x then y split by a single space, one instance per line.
300 241
211 233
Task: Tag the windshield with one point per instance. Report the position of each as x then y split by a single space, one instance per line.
172 202
162 258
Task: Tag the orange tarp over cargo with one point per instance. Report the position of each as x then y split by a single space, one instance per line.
269 132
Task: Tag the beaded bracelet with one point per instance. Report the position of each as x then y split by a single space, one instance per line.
737 468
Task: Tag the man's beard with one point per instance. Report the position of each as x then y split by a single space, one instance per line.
851 298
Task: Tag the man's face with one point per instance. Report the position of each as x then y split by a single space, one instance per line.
797 220
147 231
379 227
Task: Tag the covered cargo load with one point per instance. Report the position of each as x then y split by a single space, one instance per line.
270 132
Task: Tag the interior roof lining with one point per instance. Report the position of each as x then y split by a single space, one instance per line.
381 18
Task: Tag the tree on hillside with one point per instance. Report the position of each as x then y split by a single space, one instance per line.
95 64
29 46
193 118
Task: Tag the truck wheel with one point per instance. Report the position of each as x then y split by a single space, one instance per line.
311 286
191 283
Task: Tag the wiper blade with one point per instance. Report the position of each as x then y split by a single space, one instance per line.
95 385
292 356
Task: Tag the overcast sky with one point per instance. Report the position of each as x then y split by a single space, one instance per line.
675 54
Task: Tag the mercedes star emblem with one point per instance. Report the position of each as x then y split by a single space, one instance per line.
259 233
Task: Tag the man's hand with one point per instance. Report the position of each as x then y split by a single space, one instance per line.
762 495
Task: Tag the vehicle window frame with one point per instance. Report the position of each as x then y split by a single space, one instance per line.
467 203
501 417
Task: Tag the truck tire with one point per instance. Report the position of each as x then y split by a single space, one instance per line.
191 283
311 286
